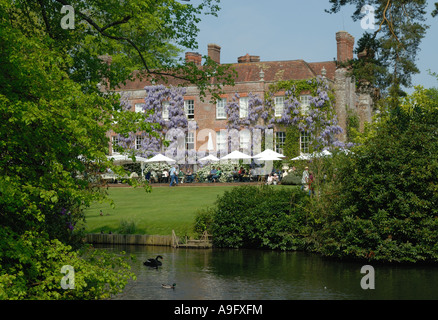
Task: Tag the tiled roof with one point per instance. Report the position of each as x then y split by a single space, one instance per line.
273 71
282 70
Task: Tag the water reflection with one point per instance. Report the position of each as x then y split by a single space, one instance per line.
255 274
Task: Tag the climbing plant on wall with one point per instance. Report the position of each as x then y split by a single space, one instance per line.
163 111
318 119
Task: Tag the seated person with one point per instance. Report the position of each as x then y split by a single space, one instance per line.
270 179
165 176
217 175
154 176
212 173
241 174
235 174
181 176
148 176
189 176
275 179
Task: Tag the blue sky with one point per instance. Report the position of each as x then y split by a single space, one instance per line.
295 29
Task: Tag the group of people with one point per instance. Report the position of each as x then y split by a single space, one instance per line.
238 175
174 175
276 175
215 174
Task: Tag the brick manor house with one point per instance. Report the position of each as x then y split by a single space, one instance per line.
255 76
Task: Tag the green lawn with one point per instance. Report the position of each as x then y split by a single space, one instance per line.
159 212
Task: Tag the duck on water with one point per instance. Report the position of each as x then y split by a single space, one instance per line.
154 263
168 286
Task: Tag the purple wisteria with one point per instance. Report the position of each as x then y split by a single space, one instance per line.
318 118
250 117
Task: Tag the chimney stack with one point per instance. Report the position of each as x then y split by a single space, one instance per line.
194 57
248 58
345 46
214 52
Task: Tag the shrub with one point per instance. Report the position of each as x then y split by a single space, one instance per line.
384 204
291 179
32 263
260 217
203 221
127 227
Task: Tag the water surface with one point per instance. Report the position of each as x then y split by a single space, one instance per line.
226 274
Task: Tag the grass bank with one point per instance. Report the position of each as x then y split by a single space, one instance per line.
159 212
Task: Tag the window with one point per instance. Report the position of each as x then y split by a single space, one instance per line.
115 143
279 106
305 103
221 140
244 140
280 138
165 105
243 102
138 141
304 142
220 109
190 141
189 108
139 107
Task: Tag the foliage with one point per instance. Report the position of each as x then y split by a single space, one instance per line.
291 179
139 39
31 269
291 147
392 49
260 217
127 227
381 202
203 221
56 115
370 69
352 124
52 145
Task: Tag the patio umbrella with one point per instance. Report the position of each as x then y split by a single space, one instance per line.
210 157
236 155
268 152
124 158
268 157
308 156
160 158
304 156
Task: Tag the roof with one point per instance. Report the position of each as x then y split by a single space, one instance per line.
250 72
283 70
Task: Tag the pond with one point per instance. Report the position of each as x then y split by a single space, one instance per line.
227 274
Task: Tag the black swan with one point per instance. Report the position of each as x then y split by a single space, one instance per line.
153 262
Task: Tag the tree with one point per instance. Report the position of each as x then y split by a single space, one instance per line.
380 202
55 119
143 39
392 48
